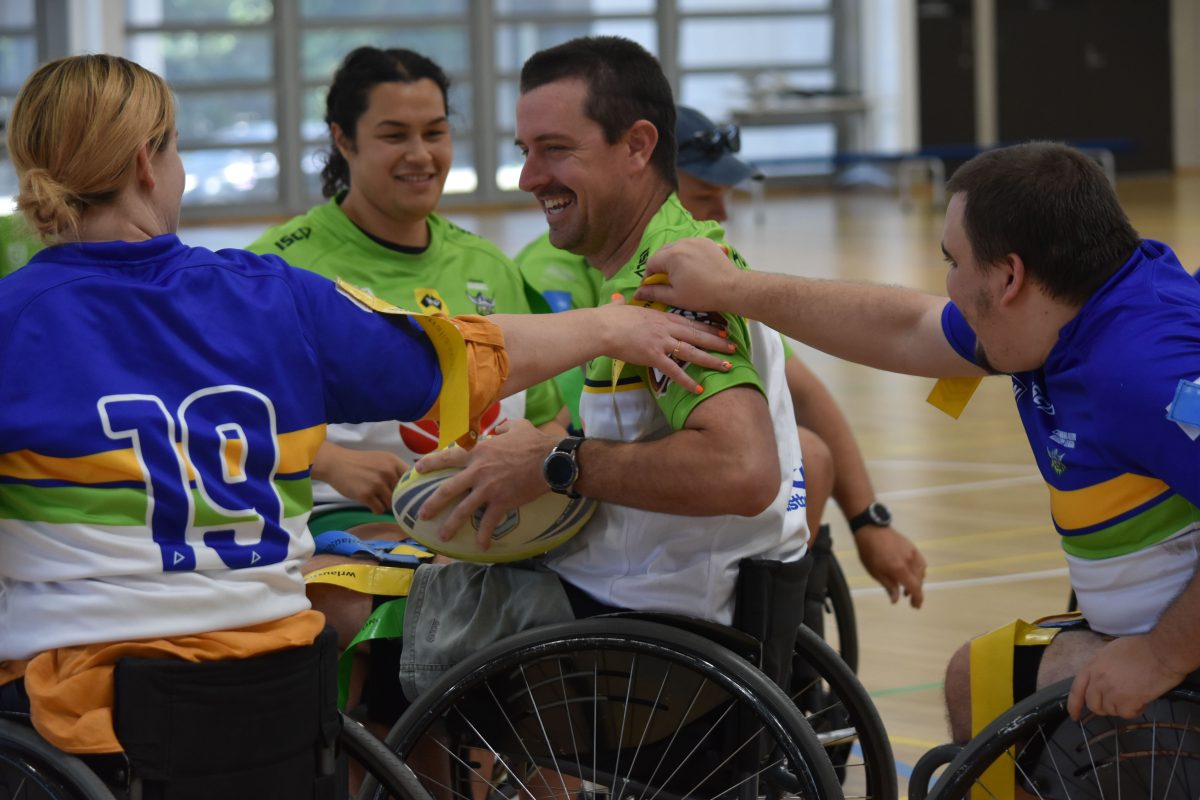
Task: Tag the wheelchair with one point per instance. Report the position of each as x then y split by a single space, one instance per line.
1036 747
829 608
653 705
263 748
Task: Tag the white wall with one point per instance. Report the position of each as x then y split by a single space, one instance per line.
96 26
1185 42
889 73
890 76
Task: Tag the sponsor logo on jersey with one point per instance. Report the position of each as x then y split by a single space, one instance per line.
431 302
1064 438
1056 460
298 235
1018 388
482 296
1041 401
643 257
798 499
421 437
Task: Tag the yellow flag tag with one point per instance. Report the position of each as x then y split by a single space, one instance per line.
454 398
658 277
951 395
366 578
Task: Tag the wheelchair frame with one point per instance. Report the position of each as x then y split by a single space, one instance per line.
43 772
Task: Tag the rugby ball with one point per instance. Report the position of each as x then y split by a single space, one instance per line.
533 529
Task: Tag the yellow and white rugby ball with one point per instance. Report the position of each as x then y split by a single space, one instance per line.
533 529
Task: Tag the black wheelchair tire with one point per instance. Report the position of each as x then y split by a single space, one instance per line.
50 773
1045 710
810 773
844 694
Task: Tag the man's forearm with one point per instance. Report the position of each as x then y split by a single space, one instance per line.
676 475
725 461
816 410
887 327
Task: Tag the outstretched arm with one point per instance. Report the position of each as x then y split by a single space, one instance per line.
887 327
888 555
542 345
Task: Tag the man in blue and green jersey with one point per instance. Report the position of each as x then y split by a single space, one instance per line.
1100 333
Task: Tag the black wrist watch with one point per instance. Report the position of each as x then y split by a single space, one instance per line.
560 469
877 514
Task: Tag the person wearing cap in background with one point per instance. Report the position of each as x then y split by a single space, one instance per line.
709 168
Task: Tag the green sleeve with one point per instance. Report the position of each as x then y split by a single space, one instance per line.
678 403
543 401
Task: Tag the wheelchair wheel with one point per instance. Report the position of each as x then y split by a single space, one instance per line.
33 769
1154 756
837 706
393 776
829 608
613 708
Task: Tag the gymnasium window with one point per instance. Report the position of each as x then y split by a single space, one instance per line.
251 76
18 57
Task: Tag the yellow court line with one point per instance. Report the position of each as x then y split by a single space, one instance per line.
1022 557
856 581
922 743
983 536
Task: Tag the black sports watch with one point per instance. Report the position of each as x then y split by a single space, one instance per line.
877 514
560 469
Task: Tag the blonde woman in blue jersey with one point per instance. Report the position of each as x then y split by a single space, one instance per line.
391 148
155 441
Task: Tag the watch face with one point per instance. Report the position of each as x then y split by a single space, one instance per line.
560 470
879 515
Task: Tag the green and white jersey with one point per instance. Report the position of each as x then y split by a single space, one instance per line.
651 561
458 273
566 281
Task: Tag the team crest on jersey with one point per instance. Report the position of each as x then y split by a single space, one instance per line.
482 296
1056 460
421 437
431 302
659 383
1041 401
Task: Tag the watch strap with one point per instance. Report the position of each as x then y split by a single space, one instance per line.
869 516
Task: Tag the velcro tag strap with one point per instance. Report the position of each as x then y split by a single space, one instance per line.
992 693
385 622
375 579
407 553
454 396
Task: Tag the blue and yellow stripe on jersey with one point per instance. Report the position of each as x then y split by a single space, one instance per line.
1122 475
110 488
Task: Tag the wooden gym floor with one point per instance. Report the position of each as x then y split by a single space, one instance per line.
966 491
